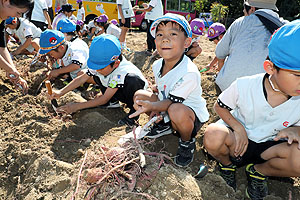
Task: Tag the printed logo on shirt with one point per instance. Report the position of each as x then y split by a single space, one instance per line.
164 92
178 83
113 84
285 124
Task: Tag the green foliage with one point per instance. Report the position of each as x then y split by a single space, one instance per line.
218 12
202 5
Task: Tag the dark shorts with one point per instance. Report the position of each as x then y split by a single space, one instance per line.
253 152
127 23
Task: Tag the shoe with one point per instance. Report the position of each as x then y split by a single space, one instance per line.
128 121
110 105
257 184
185 152
158 130
227 172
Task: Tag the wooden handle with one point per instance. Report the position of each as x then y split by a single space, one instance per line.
49 87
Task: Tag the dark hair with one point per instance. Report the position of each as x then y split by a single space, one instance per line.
56 49
80 4
247 8
22 3
180 27
120 58
212 39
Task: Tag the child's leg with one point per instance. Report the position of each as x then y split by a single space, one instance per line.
182 119
219 141
35 44
282 161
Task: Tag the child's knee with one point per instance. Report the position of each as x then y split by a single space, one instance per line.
211 137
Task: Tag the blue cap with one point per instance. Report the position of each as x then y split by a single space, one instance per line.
50 39
284 46
66 26
104 50
9 20
173 18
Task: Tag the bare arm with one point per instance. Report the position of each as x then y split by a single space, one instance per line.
220 63
121 12
70 68
46 14
22 46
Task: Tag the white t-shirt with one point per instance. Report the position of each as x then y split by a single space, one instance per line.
37 12
56 19
116 78
77 53
182 84
246 98
49 3
126 8
113 30
25 30
157 10
91 24
81 12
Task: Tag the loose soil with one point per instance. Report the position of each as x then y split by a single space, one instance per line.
40 153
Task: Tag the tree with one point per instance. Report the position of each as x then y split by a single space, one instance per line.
218 12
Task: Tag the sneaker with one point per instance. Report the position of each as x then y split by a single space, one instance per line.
227 172
110 105
257 184
158 130
128 121
185 152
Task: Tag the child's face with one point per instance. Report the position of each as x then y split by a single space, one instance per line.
106 70
170 41
59 53
287 81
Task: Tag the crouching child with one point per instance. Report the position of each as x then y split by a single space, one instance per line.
177 94
260 120
117 78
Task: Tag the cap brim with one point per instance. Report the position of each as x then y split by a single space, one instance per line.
95 66
165 18
41 51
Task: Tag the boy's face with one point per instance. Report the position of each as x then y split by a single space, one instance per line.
59 53
286 81
108 69
170 41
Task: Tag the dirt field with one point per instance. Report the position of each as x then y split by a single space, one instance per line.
41 154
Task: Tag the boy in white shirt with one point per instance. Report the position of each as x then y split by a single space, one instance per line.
81 11
260 121
27 33
125 13
178 91
72 55
118 78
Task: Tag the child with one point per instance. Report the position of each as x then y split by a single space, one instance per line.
81 28
93 28
81 11
198 28
73 55
117 77
66 11
260 121
178 86
215 33
108 27
27 33
68 28
125 13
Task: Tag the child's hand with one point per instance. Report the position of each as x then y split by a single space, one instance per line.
291 134
241 140
53 74
154 88
56 94
141 107
67 109
155 113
